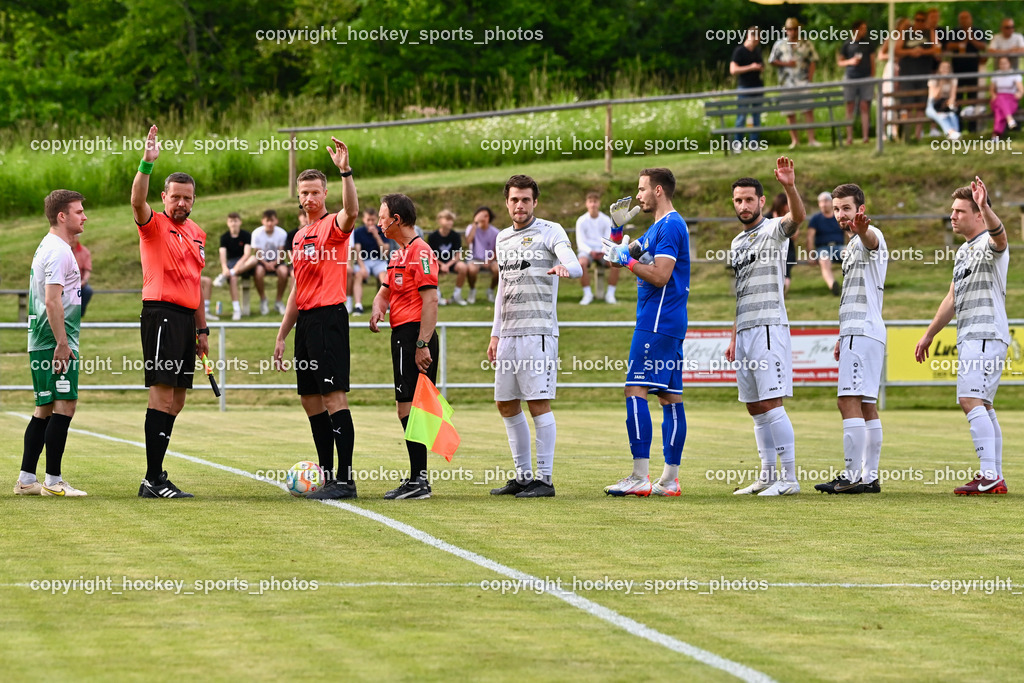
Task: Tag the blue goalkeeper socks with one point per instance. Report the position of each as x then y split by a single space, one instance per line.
638 425
673 432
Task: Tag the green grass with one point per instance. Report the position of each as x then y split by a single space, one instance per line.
914 532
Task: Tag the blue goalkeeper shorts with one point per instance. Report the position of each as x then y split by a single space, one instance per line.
656 361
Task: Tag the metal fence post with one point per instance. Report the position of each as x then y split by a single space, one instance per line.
608 140
291 167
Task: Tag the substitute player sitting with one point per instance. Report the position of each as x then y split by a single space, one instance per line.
532 255
591 228
409 290
977 297
860 348
656 352
316 308
760 345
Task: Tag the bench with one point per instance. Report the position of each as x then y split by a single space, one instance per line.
778 102
901 113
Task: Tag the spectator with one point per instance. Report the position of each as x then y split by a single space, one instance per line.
371 256
235 249
591 228
858 56
942 102
780 207
447 246
747 65
825 241
1007 43
796 60
1005 92
931 23
481 237
965 40
84 260
268 259
891 70
916 50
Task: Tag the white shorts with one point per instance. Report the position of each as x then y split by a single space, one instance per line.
765 363
980 365
860 367
526 368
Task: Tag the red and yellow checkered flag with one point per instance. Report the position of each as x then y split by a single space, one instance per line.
430 420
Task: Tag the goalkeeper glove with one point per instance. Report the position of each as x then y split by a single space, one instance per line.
616 253
621 215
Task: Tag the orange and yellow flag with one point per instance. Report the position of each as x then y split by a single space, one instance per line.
430 420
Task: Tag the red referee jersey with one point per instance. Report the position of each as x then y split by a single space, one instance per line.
173 256
320 258
410 270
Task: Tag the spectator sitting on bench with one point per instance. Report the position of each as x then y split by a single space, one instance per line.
268 259
1007 43
942 102
235 249
447 246
796 60
84 259
591 228
1005 92
825 241
482 239
371 256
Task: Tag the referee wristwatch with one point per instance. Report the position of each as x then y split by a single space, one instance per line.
203 330
420 344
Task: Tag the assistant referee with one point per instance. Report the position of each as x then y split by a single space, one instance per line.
173 321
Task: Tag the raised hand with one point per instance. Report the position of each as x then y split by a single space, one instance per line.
785 171
152 150
339 154
979 192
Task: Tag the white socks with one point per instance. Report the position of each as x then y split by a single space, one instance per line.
854 446
586 290
998 434
546 432
765 447
52 480
873 450
983 435
519 441
641 467
235 306
785 441
27 478
669 474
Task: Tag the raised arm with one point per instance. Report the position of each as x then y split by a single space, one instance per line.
785 173
346 218
140 186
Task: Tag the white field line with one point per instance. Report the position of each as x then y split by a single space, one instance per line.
631 626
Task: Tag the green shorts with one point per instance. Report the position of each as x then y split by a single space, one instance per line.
49 386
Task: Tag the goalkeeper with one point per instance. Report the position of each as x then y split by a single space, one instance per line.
660 259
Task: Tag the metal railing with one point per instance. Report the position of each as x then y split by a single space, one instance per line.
443 382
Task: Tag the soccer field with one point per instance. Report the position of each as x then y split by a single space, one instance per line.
246 581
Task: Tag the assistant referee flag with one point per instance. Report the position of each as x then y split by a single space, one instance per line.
430 420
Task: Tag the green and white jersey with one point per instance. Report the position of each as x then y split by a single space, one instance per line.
53 264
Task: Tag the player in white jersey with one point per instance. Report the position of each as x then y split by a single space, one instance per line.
760 348
55 317
977 297
532 255
860 348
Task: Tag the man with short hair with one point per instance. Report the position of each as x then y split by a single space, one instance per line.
860 348
977 297
858 57
966 41
55 316
371 257
661 263
531 256
796 60
268 259
481 239
235 263
447 246
409 291
760 342
747 65
316 308
825 240
174 331
591 228
1006 43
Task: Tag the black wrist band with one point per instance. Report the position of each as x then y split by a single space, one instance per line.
204 330
347 173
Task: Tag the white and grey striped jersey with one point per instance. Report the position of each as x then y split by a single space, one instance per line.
860 306
528 294
758 256
979 291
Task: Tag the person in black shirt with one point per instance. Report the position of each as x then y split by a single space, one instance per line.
235 247
747 65
447 246
858 56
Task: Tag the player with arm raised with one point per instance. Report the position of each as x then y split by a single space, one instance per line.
173 321
860 348
316 308
55 316
661 263
977 297
532 255
760 345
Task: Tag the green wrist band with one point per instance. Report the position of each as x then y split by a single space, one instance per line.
146 167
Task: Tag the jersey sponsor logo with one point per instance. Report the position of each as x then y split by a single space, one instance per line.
398 279
425 263
62 386
202 253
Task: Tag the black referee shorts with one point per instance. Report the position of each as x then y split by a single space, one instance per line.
322 350
168 343
403 360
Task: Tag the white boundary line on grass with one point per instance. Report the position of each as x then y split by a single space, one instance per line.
631 626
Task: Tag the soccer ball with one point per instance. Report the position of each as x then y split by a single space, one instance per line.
304 478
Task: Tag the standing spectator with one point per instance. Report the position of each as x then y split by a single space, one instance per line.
942 102
371 256
916 51
591 228
747 65
1005 92
825 240
84 260
482 237
268 258
235 248
1007 43
858 56
889 71
796 60
447 246
965 40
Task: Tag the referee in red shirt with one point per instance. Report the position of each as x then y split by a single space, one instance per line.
316 308
409 289
173 321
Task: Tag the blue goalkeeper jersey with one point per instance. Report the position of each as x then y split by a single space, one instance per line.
663 309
